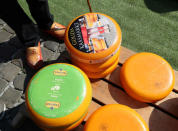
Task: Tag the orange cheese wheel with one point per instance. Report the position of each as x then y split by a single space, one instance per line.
99 66
70 127
101 74
147 77
115 117
58 97
92 37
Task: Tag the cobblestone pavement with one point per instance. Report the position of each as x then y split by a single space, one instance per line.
15 74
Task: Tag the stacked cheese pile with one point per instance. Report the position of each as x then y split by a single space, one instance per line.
93 41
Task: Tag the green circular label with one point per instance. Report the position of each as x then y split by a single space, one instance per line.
57 90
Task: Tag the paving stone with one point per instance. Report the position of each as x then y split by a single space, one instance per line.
10 114
2 109
47 54
56 56
6 51
18 58
9 71
4 36
23 96
19 102
51 45
18 62
8 29
3 85
53 57
62 48
11 97
2 65
1 27
19 82
1 22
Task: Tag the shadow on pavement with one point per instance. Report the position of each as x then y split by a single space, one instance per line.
25 125
7 49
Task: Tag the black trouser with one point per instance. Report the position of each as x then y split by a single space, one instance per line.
15 17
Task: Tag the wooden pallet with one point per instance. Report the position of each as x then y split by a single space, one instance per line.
160 116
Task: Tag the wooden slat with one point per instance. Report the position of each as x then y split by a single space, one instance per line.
93 106
157 120
166 104
108 94
114 77
126 53
170 103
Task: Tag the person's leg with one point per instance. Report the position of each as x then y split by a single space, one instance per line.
14 16
40 11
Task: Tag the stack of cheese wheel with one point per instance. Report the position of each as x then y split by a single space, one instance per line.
147 77
115 117
58 97
93 41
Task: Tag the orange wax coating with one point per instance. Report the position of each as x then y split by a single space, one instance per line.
93 56
104 73
147 77
99 67
67 122
115 117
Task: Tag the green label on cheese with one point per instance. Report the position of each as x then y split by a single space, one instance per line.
56 91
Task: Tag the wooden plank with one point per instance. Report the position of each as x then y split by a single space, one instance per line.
93 106
126 53
159 121
114 77
170 103
156 120
108 94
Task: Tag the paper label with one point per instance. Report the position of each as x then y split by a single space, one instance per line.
57 90
92 33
